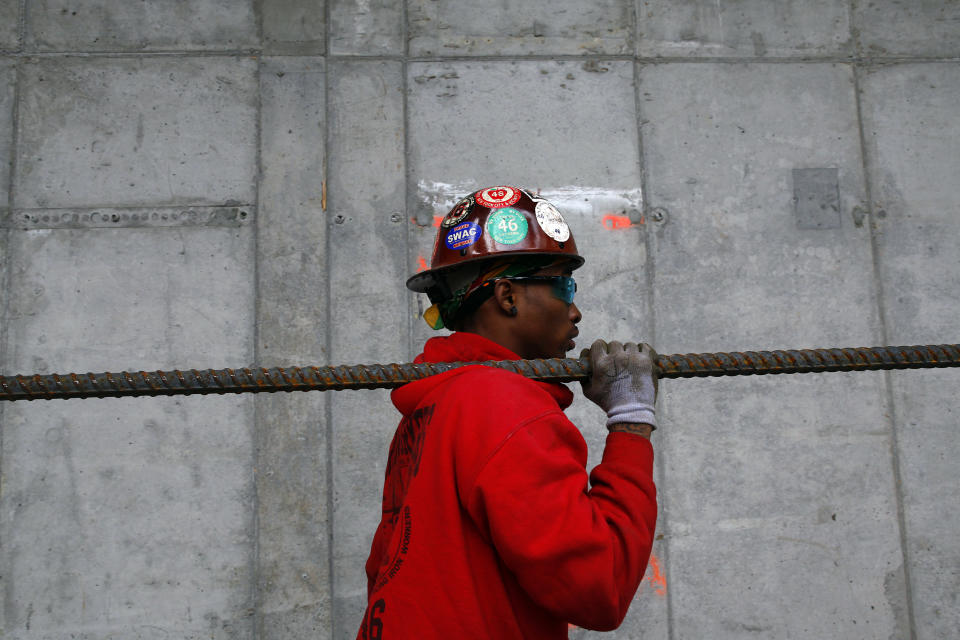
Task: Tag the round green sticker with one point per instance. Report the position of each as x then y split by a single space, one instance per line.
507 226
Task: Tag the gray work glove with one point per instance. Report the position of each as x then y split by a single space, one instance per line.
623 382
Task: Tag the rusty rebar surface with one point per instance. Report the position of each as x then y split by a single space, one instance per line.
388 376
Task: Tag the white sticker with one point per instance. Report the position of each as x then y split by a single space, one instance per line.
552 222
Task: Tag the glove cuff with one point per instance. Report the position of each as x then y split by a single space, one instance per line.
634 412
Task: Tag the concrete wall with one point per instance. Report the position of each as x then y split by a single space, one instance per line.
220 183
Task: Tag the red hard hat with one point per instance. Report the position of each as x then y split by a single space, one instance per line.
496 222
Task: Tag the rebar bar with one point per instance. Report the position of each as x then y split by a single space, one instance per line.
387 376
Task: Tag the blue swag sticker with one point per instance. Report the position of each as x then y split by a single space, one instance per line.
463 235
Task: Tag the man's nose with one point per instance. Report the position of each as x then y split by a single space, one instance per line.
575 316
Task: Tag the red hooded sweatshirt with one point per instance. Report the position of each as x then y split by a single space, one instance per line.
489 529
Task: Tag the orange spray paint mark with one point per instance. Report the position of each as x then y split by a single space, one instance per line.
436 221
655 576
613 222
421 264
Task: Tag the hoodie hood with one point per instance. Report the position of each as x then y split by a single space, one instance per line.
463 347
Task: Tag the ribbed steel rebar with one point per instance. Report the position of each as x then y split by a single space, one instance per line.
387 376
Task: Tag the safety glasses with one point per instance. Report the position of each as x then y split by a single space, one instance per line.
563 286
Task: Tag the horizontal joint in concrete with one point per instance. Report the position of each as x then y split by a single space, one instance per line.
137 217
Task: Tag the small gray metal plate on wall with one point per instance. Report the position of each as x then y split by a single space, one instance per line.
816 198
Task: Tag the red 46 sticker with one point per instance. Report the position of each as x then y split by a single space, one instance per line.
496 197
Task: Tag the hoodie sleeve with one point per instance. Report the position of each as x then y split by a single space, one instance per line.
579 553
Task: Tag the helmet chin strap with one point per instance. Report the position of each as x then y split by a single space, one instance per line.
473 284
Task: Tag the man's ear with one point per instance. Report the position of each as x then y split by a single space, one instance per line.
505 295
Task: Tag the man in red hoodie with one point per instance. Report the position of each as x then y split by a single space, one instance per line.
490 528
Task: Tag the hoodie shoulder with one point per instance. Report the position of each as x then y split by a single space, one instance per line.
485 386
499 393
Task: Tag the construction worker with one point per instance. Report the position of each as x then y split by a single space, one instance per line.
489 528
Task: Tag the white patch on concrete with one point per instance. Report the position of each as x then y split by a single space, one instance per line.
570 200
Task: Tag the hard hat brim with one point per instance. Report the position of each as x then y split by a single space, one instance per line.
425 280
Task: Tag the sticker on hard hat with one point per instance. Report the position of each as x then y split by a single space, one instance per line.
552 222
460 211
496 197
507 226
463 235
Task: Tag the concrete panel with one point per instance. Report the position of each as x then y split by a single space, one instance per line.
4 287
780 503
7 83
913 146
921 27
486 27
571 134
535 123
913 140
787 492
293 27
369 315
128 517
464 135
926 410
746 28
292 442
362 27
8 79
292 225
135 298
10 26
4 294
722 168
106 25
136 131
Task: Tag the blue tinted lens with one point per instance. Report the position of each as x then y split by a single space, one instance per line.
564 287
